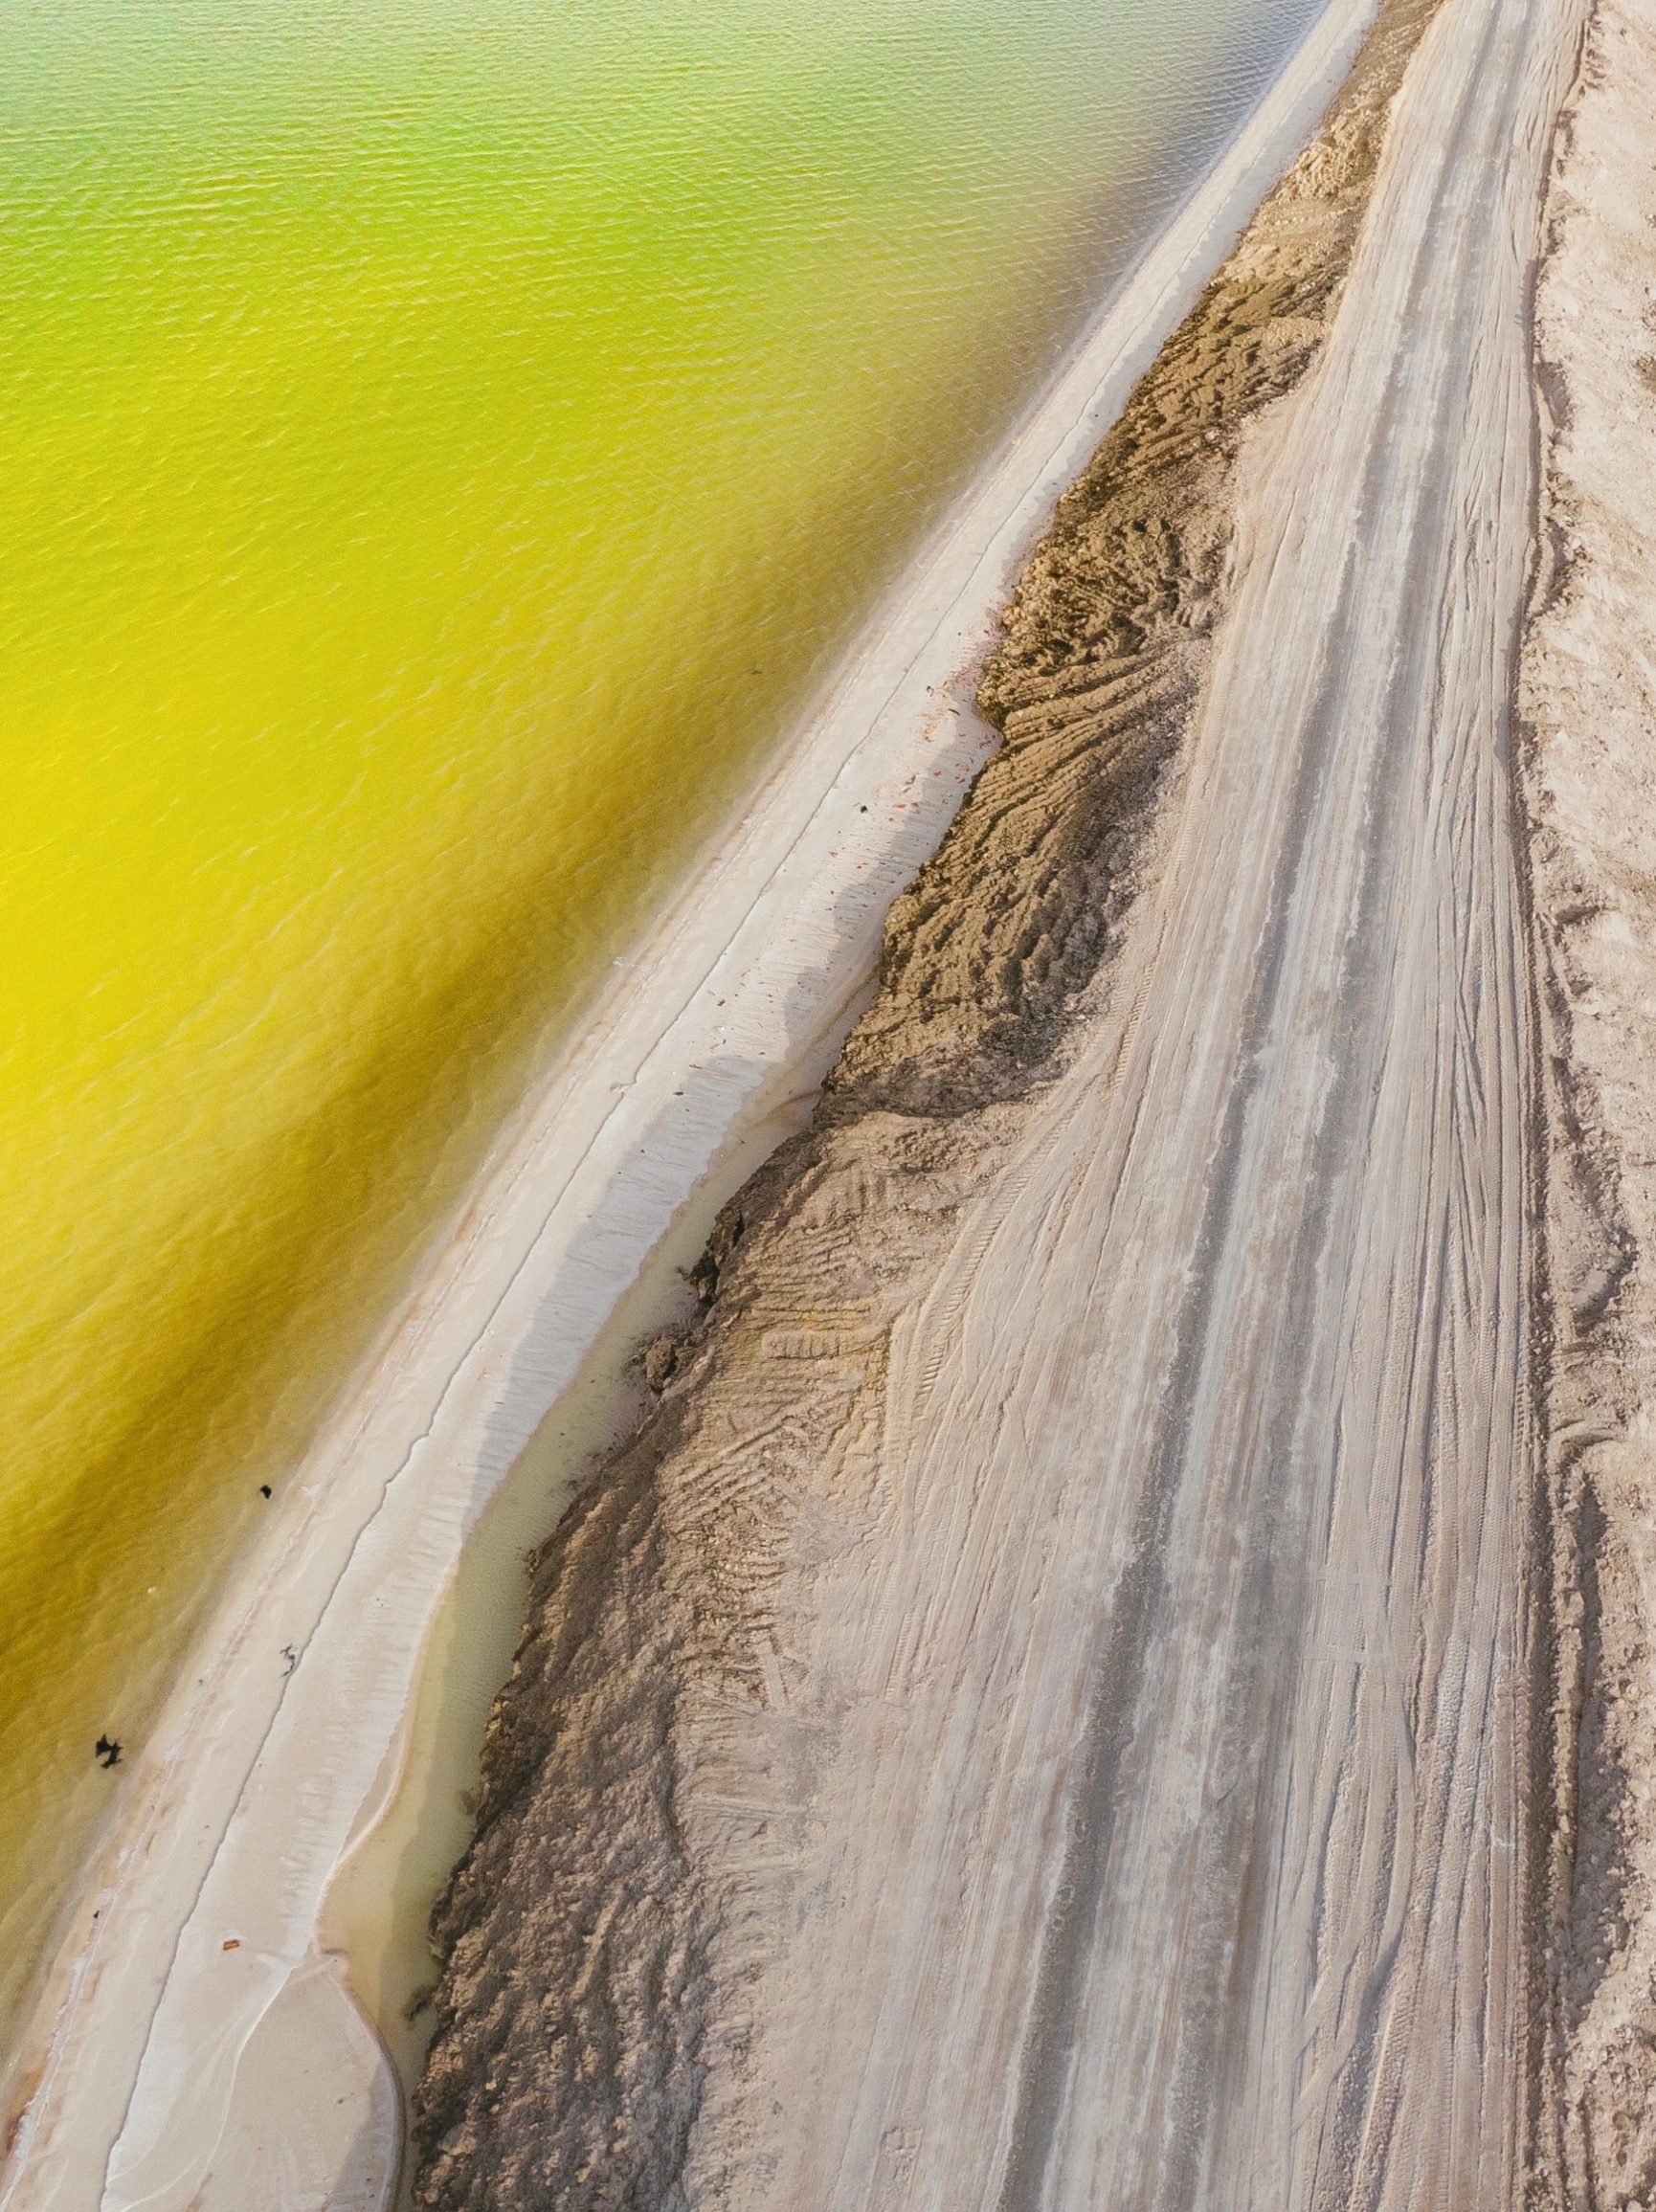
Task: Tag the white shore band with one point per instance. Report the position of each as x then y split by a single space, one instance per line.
281 1742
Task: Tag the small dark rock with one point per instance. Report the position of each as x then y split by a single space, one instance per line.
661 1358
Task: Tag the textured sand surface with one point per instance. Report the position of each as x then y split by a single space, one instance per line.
1589 700
1047 1714
197 2048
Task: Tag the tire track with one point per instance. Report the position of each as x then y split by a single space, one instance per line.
1202 1616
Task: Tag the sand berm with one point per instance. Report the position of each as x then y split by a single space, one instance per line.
1210 1766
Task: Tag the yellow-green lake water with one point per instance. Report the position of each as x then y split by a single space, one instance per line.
443 445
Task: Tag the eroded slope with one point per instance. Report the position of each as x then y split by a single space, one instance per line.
648 1788
1589 699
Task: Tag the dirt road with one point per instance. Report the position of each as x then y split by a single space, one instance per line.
1219 1411
1045 1715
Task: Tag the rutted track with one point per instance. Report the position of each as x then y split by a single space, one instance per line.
1043 1720
1223 1399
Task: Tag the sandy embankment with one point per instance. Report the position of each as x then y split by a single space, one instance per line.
196 2046
1588 697
1046 1712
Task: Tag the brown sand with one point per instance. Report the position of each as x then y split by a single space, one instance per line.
1589 700
593 2045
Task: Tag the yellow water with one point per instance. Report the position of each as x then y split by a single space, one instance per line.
443 443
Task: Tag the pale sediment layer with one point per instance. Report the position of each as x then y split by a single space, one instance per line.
1588 698
197 2046
1045 1712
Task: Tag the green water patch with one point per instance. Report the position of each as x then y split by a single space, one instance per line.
443 448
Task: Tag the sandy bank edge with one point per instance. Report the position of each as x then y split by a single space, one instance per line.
256 1777
1587 698
611 2020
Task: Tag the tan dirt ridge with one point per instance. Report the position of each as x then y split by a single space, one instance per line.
631 1868
1588 699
